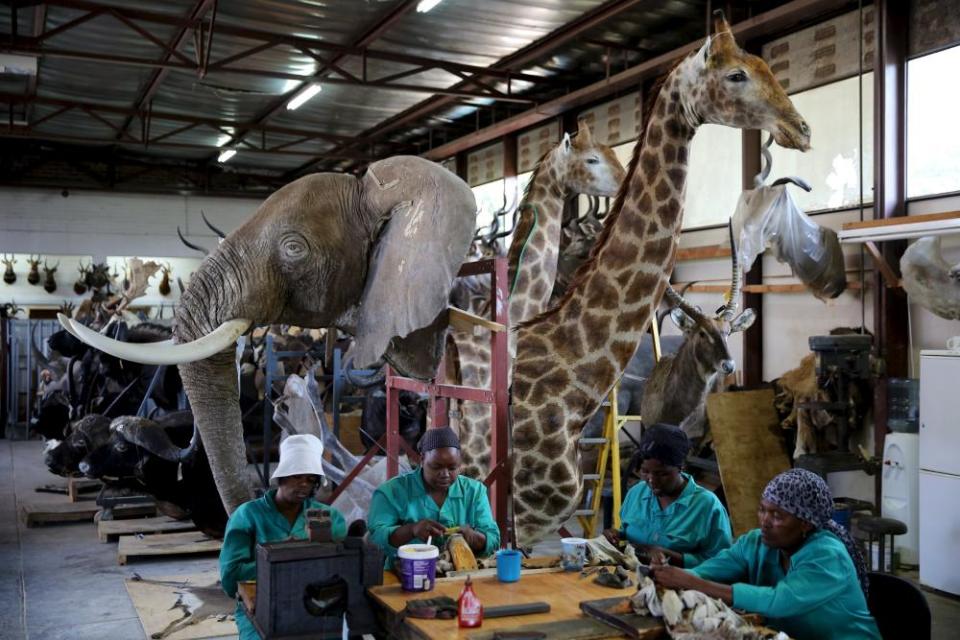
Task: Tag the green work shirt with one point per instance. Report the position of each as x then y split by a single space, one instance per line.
257 522
695 524
817 598
405 499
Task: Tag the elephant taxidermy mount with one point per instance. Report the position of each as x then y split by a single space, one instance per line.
375 256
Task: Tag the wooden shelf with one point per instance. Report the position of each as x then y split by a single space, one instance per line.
704 252
901 227
887 222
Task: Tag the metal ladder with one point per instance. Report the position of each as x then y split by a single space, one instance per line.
589 516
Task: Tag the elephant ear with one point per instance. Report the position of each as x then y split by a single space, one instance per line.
426 216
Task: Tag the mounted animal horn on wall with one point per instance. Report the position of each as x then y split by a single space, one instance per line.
217 231
164 286
929 280
49 283
33 277
80 286
8 274
190 245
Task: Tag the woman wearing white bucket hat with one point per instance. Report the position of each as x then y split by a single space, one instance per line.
279 515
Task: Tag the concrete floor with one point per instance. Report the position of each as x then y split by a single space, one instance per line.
59 582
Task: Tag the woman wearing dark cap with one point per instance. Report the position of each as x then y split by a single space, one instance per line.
800 569
668 514
430 499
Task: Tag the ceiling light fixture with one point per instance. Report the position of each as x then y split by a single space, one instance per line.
226 154
297 101
426 5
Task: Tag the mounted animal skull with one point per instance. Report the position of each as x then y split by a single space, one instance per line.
931 281
80 286
49 283
164 286
33 277
375 256
8 274
677 389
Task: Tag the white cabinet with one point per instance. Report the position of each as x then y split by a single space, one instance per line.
940 470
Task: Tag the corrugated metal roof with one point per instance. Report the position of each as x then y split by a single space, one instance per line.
457 32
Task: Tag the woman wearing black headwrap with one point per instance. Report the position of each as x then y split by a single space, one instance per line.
800 569
668 514
426 501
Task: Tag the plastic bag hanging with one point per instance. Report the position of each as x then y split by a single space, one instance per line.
767 217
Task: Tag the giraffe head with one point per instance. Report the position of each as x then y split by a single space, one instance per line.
591 168
728 86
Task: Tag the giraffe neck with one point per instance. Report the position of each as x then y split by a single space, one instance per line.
533 253
570 358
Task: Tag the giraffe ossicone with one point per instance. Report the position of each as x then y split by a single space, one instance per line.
569 357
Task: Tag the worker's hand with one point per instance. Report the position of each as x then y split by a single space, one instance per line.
674 577
426 528
658 556
612 536
474 538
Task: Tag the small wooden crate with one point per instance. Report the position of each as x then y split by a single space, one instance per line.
33 514
111 529
76 486
166 544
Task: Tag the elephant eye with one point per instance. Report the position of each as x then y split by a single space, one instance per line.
294 246
737 76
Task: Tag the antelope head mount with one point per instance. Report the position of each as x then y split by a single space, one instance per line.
33 277
80 286
49 283
165 281
8 274
707 335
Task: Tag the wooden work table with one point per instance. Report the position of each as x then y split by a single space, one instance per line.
563 591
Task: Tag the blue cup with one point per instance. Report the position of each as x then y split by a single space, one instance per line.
508 565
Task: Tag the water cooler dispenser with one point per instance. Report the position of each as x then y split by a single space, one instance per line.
900 490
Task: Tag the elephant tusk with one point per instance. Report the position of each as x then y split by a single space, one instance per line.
165 352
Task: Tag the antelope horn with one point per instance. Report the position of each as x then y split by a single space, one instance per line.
165 352
195 247
212 228
678 300
730 308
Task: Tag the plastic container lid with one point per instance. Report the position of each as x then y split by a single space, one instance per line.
573 541
418 552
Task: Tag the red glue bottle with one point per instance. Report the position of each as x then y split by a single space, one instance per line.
469 608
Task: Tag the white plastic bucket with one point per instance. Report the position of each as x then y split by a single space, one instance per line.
417 564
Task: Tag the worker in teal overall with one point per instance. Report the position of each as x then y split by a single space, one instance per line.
800 569
668 513
279 515
430 499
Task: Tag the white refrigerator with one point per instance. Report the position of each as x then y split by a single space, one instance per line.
940 470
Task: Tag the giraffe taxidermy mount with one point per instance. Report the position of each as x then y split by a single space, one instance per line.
576 165
569 357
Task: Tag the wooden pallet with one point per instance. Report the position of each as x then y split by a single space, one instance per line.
167 544
111 529
76 486
33 514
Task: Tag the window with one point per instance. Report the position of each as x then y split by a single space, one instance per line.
933 131
832 165
715 177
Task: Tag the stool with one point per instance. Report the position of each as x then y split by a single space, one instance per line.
878 528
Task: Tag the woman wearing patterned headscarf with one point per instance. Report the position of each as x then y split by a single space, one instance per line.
428 500
668 514
800 569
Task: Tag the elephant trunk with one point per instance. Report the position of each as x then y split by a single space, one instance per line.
215 295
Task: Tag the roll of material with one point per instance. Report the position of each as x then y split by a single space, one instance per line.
508 610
